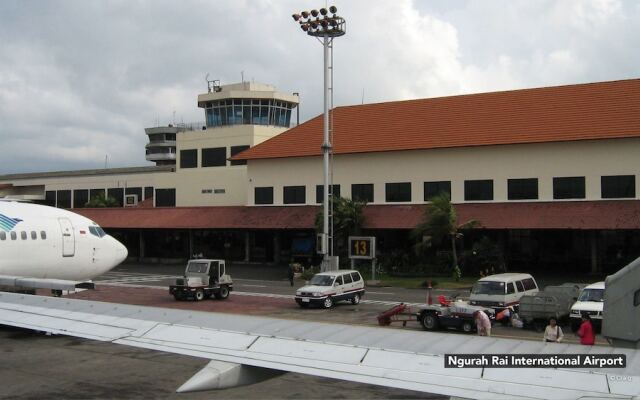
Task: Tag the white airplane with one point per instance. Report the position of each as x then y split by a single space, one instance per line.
46 247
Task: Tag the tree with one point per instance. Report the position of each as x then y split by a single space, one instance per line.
101 201
439 224
348 219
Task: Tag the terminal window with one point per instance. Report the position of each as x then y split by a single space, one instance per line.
569 187
478 190
236 150
80 198
263 195
50 198
117 194
397 192
362 192
435 188
148 192
522 189
214 157
320 192
94 193
618 187
294 195
165 197
64 198
134 190
188 158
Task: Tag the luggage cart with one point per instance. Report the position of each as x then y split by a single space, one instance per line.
400 313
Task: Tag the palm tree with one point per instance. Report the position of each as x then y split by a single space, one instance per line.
348 219
440 223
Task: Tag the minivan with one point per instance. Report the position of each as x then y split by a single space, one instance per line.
591 302
502 290
327 288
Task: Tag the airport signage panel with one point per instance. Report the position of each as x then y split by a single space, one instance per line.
362 247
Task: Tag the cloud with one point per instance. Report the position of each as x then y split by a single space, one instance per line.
81 80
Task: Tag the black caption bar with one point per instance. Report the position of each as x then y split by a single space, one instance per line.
535 360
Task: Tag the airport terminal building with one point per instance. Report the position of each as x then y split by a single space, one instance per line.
550 173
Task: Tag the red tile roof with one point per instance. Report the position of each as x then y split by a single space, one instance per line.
605 110
538 215
231 217
535 215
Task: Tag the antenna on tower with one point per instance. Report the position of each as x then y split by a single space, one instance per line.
212 85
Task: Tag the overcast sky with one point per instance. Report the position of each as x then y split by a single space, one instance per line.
82 79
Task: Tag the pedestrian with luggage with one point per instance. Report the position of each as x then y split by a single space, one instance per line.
553 332
483 324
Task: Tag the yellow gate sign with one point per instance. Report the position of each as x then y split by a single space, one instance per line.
362 247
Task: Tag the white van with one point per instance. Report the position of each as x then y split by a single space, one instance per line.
326 288
590 301
502 290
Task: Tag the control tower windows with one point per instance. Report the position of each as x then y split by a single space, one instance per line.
248 112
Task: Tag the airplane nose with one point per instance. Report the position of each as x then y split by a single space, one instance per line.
121 252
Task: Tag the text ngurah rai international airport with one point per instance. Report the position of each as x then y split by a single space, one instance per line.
535 360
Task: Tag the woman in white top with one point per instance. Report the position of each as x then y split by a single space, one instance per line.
553 333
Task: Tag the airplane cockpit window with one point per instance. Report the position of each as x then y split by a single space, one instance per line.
97 231
3 236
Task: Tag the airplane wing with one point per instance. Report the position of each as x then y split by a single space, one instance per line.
403 359
40 283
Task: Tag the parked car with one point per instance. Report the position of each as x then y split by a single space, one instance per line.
502 290
327 288
591 302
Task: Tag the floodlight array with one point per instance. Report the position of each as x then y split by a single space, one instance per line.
323 22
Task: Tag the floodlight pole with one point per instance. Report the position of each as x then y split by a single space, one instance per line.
322 25
326 151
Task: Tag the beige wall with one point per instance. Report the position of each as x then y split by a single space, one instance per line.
591 159
215 186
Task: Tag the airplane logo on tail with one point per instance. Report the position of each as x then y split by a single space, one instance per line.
7 224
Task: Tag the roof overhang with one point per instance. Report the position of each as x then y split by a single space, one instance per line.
577 215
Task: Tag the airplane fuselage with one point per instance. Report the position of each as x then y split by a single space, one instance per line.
50 243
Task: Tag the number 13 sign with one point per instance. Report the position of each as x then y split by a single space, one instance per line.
362 247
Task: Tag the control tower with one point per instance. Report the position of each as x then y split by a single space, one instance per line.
237 117
246 103
236 107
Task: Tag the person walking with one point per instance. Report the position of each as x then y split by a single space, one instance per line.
290 274
587 337
483 324
553 333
